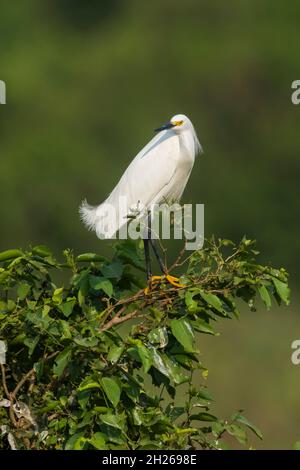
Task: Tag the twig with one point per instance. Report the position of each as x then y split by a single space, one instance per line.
117 319
21 383
29 374
127 300
178 261
229 258
9 396
4 382
109 311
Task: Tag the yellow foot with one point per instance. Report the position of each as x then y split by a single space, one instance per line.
174 281
171 279
152 280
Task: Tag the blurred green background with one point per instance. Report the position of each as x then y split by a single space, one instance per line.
87 82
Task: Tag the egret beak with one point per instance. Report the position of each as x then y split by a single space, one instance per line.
169 125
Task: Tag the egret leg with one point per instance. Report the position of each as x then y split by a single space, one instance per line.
171 279
154 246
147 258
158 256
151 241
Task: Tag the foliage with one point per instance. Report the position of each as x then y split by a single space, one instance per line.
95 362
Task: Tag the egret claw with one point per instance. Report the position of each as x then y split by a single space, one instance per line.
154 279
174 281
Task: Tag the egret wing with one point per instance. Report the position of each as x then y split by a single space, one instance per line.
142 184
149 173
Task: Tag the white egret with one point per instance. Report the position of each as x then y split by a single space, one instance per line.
159 172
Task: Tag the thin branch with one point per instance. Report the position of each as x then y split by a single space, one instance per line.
109 311
229 258
4 382
117 319
177 263
29 374
127 300
10 398
21 383
11 413
12 395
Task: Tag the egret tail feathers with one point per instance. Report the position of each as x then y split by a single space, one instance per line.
88 215
102 219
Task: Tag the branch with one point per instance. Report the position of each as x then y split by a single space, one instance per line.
29 374
12 395
21 383
178 262
9 396
7 393
117 319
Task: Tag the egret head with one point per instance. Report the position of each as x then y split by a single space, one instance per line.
179 124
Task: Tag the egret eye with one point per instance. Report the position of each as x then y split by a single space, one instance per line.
178 123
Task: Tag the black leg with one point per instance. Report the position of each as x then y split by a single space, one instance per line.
158 257
154 246
147 258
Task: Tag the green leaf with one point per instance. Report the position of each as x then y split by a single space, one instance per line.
174 370
67 307
111 420
183 332
58 295
31 343
11 305
158 362
73 441
145 357
10 254
62 361
175 412
113 270
89 342
101 283
203 417
89 257
202 326
167 367
191 304
112 390
115 353
282 290
38 368
98 441
65 329
241 419
264 294
23 290
212 300
238 432
42 251
159 336
129 252
89 385
204 394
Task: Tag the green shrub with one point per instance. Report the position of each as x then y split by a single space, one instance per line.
94 362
